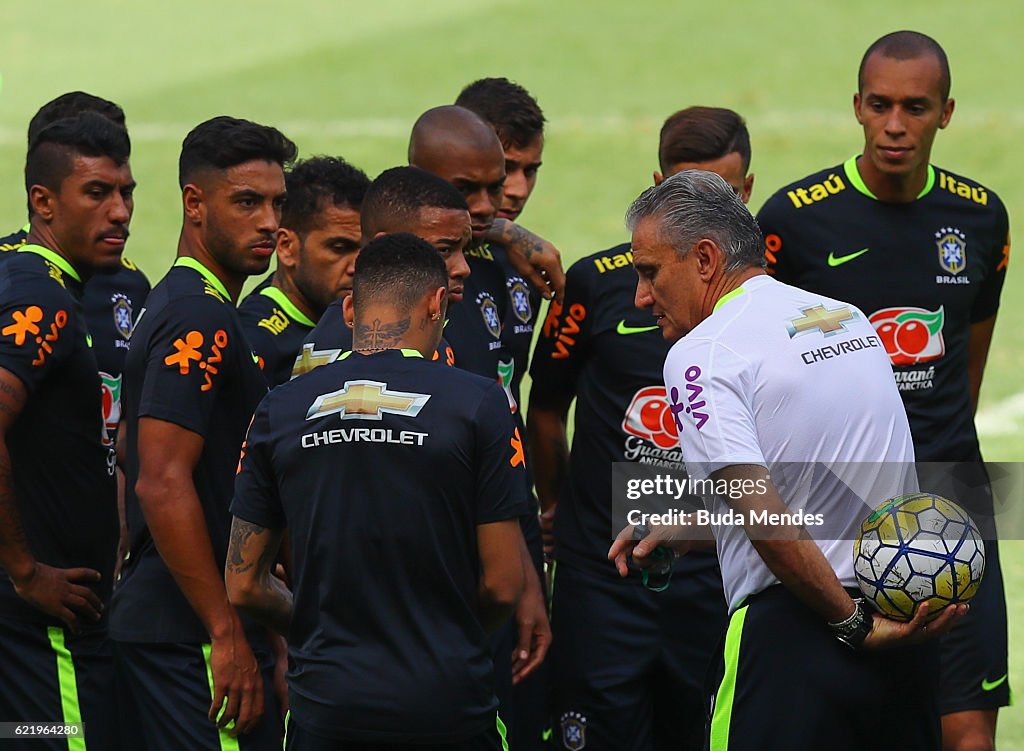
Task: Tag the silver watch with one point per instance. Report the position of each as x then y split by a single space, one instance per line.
854 630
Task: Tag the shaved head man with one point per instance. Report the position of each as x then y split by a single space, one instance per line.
456 145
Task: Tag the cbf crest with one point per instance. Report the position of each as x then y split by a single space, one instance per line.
489 312
574 731
122 308
519 296
952 245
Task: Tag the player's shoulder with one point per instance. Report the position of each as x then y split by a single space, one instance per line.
13 241
604 264
949 186
184 295
129 271
183 281
331 329
402 372
28 276
254 306
814 189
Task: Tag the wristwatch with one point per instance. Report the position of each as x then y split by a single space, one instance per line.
854 630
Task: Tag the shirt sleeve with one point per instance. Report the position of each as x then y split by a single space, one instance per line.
38 327
771 220
499 460
710 390
986 304
256 498
189 359
562 346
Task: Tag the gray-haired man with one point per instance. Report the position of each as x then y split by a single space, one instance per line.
745 400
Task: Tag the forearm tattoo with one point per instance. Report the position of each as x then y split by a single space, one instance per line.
241 532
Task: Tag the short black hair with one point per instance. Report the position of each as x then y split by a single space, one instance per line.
398 195
702 134
52 152
909 45
70 104
316 184
508 107
398 268
224 142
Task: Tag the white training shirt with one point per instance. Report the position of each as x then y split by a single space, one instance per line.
800 384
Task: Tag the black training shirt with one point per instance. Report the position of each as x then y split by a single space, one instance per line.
276 329
110 302
382 467
189 364
61 460
922 272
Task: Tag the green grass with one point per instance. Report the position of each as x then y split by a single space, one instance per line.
349 78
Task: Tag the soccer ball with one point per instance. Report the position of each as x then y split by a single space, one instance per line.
918 548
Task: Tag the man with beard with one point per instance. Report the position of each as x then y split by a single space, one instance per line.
192 383
58 528
316 250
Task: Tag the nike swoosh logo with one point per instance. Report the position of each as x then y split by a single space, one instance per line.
834 260
546 735
990 685
625 330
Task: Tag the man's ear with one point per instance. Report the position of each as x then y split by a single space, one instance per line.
710 259
41 199
748 188
658 178
288 246
947 112
438 304
192 199
348 311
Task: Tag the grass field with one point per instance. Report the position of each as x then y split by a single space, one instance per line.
349 78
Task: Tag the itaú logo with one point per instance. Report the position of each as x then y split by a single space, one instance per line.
649 417
910 335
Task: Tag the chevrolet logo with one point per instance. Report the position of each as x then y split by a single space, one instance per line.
366 400
311 359
817 317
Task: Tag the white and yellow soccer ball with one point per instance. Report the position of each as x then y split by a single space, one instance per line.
918 548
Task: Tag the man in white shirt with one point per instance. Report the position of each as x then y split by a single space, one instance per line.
766 377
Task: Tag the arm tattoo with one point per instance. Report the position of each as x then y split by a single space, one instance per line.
527 242
241 532
378 335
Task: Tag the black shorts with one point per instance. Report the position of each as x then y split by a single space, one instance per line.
52 675
783 681
299 739
523 707
170 687
974 655
975 672
628 664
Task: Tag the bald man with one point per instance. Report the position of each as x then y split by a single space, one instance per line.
457 146
449 136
